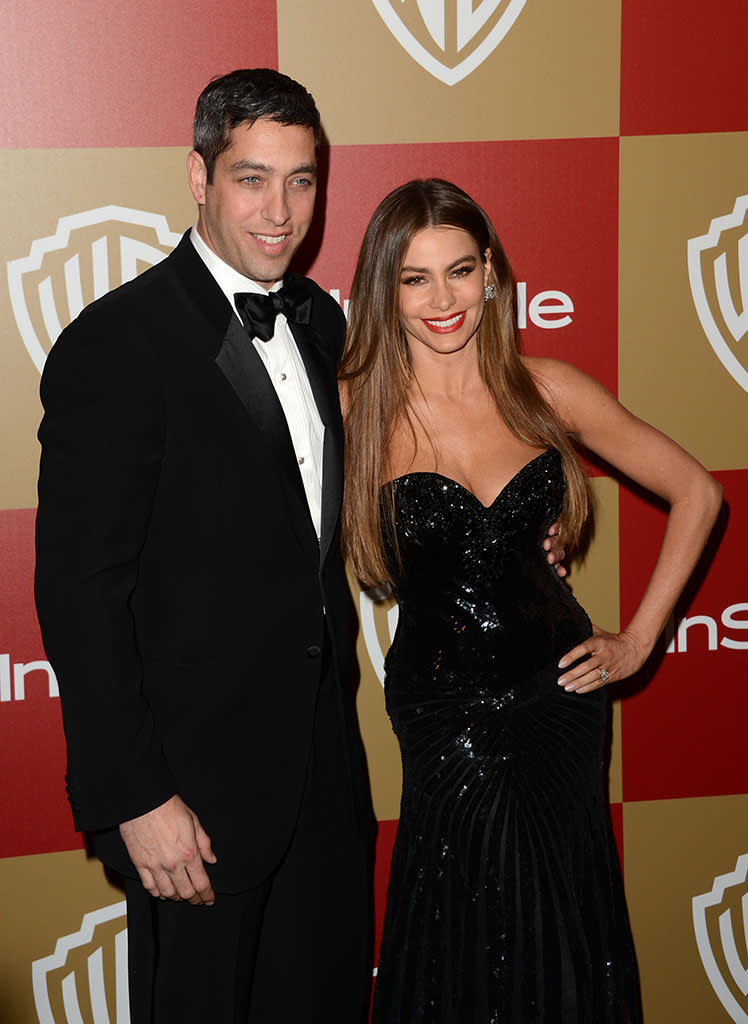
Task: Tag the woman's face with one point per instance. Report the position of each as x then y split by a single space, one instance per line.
441 289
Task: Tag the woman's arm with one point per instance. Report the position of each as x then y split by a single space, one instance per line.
656 462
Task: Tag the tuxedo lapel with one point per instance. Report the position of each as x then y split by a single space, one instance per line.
321 374
242 366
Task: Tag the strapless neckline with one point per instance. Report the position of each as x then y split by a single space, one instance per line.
466 490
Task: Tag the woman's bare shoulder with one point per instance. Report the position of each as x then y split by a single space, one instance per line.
550 373
554 377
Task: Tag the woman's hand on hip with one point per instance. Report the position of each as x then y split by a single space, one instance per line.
609 657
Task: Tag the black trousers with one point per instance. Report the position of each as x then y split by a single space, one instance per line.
293 949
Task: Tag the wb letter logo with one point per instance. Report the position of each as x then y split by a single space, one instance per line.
89 254
718 271
720 921
85 980
449 38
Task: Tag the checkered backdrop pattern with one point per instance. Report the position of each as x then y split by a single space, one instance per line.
609 144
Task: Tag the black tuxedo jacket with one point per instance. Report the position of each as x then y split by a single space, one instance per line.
180 587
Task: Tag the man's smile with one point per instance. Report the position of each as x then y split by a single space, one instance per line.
269 239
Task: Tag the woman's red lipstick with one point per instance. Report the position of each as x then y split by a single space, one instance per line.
445 324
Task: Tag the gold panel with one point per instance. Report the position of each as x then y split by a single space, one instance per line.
376 628
674 850
534 83
672 189
60 205
594 581
44 899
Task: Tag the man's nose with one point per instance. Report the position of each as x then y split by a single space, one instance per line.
276 209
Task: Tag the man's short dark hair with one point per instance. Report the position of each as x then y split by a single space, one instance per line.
241 97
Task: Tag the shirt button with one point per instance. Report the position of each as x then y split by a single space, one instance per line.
314 651
283 376
301 461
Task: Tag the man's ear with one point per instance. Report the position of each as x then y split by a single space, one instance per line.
197 175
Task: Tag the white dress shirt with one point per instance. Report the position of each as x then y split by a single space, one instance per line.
285 367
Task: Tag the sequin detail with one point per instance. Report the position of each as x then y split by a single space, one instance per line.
505 901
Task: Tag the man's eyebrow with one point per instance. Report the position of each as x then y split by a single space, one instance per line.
252 165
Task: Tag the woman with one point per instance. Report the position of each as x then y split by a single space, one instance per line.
505 903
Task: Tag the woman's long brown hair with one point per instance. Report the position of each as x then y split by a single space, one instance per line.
378 375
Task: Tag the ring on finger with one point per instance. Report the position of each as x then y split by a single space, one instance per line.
604 675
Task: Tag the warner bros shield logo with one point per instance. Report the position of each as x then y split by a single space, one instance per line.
720 921
378 615
85 980
89 254
718 272
449 38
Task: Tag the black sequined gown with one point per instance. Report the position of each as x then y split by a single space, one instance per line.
505 903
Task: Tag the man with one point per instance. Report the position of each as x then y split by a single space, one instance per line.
192 598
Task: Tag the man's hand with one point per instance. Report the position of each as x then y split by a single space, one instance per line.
555 549
168 846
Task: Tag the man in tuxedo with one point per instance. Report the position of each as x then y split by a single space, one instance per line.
193 600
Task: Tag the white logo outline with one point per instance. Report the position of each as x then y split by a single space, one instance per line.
40 247
739 972
696 246
367 605
466 17
40 969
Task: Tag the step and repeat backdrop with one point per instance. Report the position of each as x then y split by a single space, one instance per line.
609 144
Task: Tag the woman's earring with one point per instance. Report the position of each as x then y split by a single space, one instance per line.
489 292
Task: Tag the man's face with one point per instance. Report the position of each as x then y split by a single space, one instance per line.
258 208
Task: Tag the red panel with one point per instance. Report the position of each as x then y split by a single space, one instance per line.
683 67
383 855
87 74
684 732
34 811
554 204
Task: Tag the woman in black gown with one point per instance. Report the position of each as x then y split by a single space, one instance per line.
505 903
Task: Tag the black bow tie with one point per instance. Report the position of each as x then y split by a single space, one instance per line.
258 312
